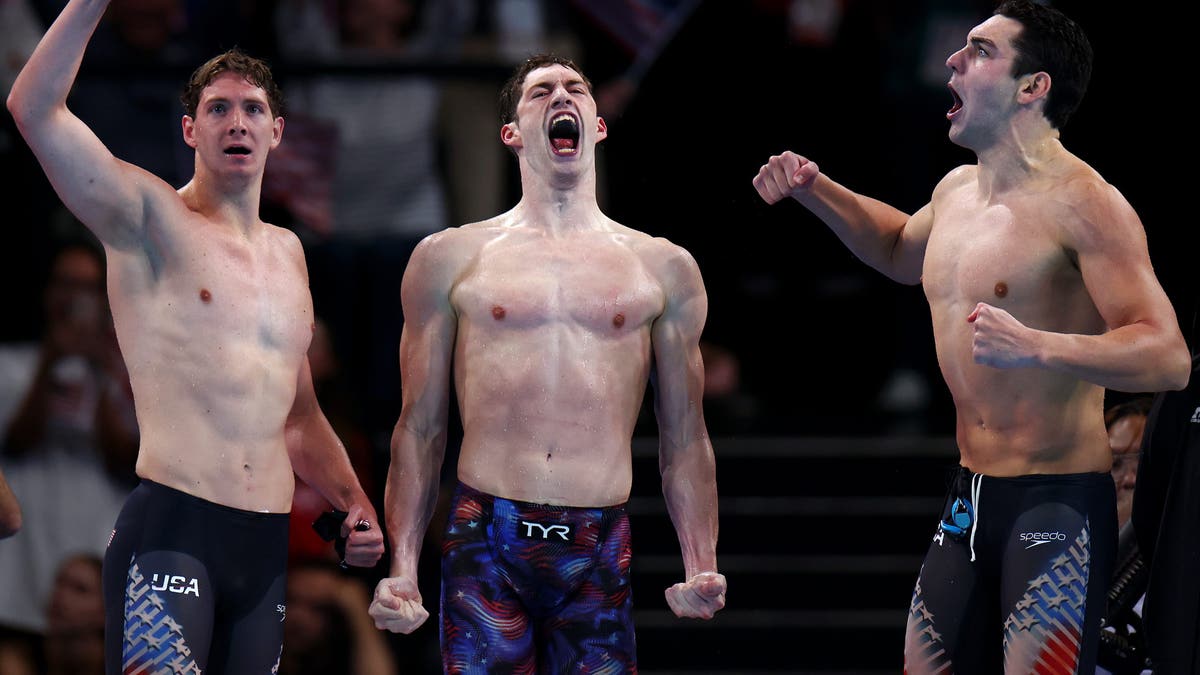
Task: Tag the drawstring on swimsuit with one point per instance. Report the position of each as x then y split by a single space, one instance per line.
976 483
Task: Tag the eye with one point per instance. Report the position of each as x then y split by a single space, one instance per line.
254 108
217 108
981 51
538 94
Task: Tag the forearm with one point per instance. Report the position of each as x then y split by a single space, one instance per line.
47 77
411 493
319 459
689 481
1139 357
868 227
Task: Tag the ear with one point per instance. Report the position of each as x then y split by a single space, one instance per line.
601 129
276 132
189 131
1033 87
510 135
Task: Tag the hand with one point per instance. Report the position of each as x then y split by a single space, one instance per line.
699 597
786 175
364 543
397 605
999 340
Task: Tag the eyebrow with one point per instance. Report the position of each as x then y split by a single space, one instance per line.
549 84
977 41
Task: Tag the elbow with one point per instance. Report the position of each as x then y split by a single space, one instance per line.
1180 371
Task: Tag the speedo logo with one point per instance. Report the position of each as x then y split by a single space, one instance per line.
176 584
1039 538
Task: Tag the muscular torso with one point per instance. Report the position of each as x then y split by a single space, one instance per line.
552 358
1009 252
213 326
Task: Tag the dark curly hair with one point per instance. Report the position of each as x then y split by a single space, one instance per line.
510 95
1053 43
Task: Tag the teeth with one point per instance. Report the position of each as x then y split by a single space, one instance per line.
562 117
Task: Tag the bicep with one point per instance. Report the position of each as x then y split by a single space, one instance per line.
679 366
1115 265
106 194
908 254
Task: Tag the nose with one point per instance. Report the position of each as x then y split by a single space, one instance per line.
954 60
237 123
559 97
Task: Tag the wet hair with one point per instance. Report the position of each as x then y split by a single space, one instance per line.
1052 43
1135 407
510 95
255 71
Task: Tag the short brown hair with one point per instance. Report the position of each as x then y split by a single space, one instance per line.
510 95
255 71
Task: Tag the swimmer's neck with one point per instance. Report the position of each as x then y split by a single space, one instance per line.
235 204
1020 153
559 209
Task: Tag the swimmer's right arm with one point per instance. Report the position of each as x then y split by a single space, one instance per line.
102 191
419 438
882 236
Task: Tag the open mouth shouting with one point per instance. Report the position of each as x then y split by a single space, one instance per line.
564 134
957 105
237 150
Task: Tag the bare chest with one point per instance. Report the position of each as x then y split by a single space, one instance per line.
602 289
1004 255
231 294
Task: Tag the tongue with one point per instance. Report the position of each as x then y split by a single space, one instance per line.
563 143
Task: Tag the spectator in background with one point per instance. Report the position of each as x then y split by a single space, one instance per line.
10 510
328 630
74 640
1125 423
70 447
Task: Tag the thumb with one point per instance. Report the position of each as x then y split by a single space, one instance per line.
975 314
805 173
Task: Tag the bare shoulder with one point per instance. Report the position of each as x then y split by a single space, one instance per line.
957 178
672 264
1091 210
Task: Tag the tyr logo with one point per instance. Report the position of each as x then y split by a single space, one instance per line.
530 530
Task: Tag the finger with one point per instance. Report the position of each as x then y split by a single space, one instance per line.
766 185
805 173
352 517
975 314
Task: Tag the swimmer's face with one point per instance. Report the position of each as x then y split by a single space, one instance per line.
556 119
234 127
984 92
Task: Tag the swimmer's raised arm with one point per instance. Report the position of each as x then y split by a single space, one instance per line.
108 195
884 237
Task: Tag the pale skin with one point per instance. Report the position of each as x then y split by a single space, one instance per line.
1036 272
551 318
10 510
211 305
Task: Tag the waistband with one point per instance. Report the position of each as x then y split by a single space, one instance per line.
160 491
489 499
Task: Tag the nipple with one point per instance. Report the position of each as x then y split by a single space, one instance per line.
205 296
498 313
619 320
1001 289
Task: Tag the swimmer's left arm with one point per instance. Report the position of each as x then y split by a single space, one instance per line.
319 458
686 459
1143 348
